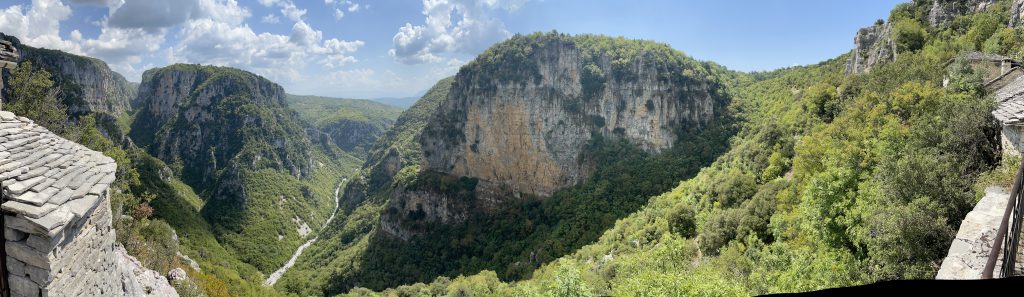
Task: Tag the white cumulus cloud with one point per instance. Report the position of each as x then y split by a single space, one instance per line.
39 24
451 26
270 19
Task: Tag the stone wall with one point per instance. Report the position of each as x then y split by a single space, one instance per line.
1011 139
58 234
76 262
968 253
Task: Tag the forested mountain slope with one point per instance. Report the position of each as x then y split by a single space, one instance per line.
589 115
556 165
230 135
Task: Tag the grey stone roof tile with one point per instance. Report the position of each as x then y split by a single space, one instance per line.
28 210
54 219
20 186
30 198
82 206
23 224
61 196
9 169
67 176
38 171
43 185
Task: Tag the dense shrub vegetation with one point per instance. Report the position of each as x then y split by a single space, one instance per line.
831 180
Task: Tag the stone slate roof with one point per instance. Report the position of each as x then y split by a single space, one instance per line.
48 181
1014 89
1010 101
1010 112
979 56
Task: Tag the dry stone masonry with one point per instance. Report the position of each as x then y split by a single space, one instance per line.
969 251
58 235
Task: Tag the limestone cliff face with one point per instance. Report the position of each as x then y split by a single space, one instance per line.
872 46
528 134
87 84
1016 17
876 44
943 12
517 122
205 119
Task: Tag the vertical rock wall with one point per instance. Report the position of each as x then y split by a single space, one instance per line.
943 12
528 135
519 120
872 46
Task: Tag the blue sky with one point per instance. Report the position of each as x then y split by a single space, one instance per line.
397 48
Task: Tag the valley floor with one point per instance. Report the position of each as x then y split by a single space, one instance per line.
272 279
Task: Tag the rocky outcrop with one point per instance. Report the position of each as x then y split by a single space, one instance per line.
87 84
876 44
943 12
872 46
58 234
1016 15
137 280
518 121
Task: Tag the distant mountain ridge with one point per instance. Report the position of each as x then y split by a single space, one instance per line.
402 102
353 124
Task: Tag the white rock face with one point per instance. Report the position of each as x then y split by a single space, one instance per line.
943 12
139 281
872 45
1015 13
526 135
522 128
301 227
98 88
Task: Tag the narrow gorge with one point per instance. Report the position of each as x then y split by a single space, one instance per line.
241 150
